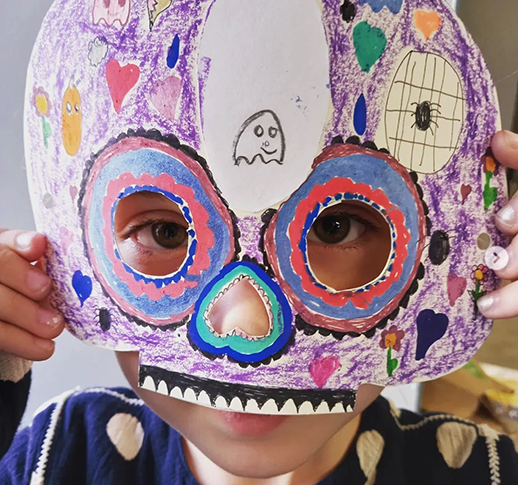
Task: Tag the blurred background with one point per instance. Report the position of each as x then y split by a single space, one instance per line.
492 24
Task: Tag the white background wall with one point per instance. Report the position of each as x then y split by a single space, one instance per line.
75 364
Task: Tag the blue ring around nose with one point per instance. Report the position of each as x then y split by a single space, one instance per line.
235 346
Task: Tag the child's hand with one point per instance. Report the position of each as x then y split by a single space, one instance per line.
27 322
504 302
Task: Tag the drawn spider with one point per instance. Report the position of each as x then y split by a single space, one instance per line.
423 115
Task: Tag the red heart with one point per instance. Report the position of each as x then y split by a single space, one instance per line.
121 80
323 368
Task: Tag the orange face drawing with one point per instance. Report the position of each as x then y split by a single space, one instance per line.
72 120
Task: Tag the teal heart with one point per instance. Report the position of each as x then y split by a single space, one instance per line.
392 365
370 44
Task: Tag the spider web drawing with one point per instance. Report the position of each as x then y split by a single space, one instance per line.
425 112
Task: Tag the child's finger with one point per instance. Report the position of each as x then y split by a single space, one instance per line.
505 148
21 276
30 245
26 314
18 342
510 271
500 304
507 218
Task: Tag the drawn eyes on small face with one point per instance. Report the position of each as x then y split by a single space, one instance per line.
348 245
151 233
272 131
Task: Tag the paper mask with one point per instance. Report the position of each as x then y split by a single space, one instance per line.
188 158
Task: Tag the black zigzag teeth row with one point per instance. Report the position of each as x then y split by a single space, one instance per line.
245 398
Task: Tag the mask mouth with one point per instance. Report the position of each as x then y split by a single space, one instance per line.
243 296
267 152
245 398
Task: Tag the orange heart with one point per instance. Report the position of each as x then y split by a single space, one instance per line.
427 22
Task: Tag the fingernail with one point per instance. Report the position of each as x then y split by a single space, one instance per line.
24 241
507 215
50 318
511 139
37 281
485 303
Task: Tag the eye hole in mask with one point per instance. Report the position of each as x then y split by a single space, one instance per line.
152 233
348 246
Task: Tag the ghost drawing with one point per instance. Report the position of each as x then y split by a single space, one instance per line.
261 138
97 50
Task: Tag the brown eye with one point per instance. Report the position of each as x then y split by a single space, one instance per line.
348 245
169 235
332 229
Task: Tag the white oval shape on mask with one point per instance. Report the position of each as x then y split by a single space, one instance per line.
261 137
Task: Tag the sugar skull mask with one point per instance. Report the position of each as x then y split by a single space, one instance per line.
188 158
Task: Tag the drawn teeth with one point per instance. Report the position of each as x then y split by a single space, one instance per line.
338 408
177 393
149 384
291 406
204 399
162 388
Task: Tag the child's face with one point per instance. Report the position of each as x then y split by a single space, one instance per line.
348 247
249 445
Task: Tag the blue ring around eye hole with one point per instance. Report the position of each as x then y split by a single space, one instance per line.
312 217
159 281
153 162
360 168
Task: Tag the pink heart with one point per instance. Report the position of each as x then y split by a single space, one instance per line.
121 80
67 238
465 190
73 192
165 95
456 287
323 368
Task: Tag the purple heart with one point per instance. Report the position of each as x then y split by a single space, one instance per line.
82 286
431 327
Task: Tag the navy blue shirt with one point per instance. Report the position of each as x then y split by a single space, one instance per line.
109 436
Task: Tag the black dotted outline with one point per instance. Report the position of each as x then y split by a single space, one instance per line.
173 142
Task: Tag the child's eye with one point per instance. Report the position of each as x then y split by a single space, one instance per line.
162 235
336 229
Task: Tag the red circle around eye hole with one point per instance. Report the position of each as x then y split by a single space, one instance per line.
360 300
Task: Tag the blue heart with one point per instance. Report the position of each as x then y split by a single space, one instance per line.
431 327
377 5
174 53
82 285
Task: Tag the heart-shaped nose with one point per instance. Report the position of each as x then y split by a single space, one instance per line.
241 310
243 314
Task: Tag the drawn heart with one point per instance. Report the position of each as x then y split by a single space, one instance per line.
427 22
323 368
465 190
377 5
456 287
165 95
67 238
370 44
121 80
73 192
82 285
431 327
